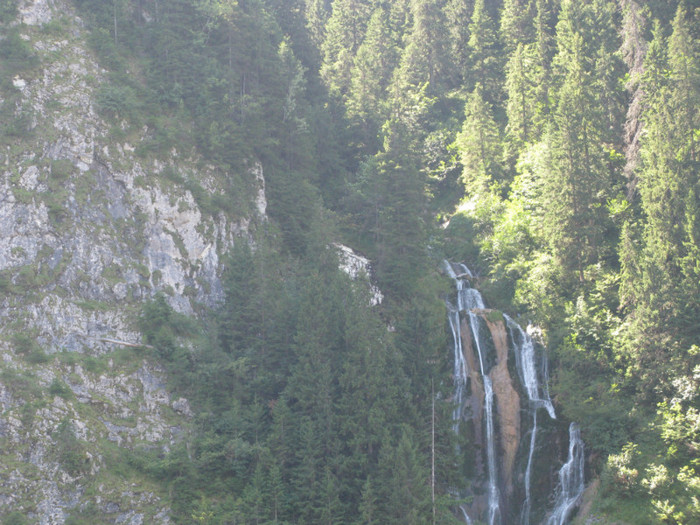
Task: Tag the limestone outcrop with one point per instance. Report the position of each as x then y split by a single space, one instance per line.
91 226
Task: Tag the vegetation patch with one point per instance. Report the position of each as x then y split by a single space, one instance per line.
60 389
27 346
69 450
22 384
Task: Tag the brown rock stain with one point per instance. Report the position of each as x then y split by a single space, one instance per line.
507 403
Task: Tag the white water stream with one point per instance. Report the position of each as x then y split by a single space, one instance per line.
532 372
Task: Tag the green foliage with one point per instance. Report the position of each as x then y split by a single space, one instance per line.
479 145
16 54
483 51
15 518
27 346
60 389
61 169
8 10
162 326
118 101
83 515
309 410
23 385
69 450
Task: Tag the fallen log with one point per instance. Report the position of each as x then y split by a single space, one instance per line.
124 343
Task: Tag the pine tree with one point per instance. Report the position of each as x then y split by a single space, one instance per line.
544 52
520 89
401 231
484 53
516 26
317 14
405 483
423 59
371 73
457 12
345 31
239 320
669 175
479 145
370 383
578 183
368 505
633 51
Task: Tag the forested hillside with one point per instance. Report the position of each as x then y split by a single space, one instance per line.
551 145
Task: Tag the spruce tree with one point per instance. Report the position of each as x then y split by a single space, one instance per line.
424 57
520 90
484 52
456 13
544 52
578 183
516 24
371 73
345 31
479 145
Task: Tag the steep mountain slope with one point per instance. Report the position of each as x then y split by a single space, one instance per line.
89 231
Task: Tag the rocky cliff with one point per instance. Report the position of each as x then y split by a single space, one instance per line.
91 227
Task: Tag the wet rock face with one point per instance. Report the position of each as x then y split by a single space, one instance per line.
507 402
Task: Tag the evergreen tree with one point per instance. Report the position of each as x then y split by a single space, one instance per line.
479 145
457 12
345 31
240 321
633 51
423 59
544 53
401 230
317 14
371 73
484 53
520 89
368 505
405 483
665 288
516 24
576 182
579 181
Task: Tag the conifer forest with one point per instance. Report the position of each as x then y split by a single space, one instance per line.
449 268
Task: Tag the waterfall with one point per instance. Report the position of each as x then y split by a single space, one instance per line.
459 371
533 377
524 349
571 482
494 496
527 368
525 513
467 519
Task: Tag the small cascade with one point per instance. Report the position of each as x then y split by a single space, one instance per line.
459 372
485 398
537 392
571 482
535 386
493 493
466 517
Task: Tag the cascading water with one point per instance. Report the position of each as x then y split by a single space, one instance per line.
524 349
494 496
571 482
496 501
